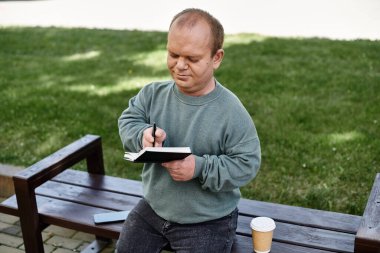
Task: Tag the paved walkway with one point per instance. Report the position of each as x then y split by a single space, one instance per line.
336 19
56 239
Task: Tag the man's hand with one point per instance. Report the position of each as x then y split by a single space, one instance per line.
181 170
147 139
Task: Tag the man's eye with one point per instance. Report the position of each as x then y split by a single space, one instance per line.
193 59
173 55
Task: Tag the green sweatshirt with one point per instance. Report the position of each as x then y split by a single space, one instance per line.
220 133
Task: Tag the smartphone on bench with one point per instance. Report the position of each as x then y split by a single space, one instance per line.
108 217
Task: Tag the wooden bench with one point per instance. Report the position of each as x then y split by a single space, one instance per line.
50 193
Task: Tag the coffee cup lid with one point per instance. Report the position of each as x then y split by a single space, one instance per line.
263 224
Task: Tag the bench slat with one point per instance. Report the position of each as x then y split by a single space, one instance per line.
107 183
9 206
302 216
56 212
75 216
305 236
87 196
243 244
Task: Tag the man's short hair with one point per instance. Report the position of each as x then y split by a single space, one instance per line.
191 16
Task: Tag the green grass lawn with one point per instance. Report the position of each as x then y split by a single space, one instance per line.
315 103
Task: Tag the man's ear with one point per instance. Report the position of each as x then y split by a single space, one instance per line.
217 58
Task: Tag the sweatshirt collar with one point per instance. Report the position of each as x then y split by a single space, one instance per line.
198 100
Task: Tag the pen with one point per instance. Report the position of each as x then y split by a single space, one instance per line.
154 133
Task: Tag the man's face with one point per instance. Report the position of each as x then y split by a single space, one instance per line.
189 58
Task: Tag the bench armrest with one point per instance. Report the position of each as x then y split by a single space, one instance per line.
367 238
88 147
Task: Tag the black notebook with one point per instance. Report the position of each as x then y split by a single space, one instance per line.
158 154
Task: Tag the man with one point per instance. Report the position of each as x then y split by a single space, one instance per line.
190 204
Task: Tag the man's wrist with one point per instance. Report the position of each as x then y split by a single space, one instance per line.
199 164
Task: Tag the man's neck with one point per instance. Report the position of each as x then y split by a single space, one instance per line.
202 92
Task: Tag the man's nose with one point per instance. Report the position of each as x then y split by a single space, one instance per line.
182 63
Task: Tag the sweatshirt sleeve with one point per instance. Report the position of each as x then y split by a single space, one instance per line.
132 123
232 170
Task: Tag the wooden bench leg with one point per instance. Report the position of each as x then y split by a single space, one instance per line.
32 241
367 239
29 220
96 246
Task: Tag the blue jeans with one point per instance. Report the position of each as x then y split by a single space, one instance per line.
144 231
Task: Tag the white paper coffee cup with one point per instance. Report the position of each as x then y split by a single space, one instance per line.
262 234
